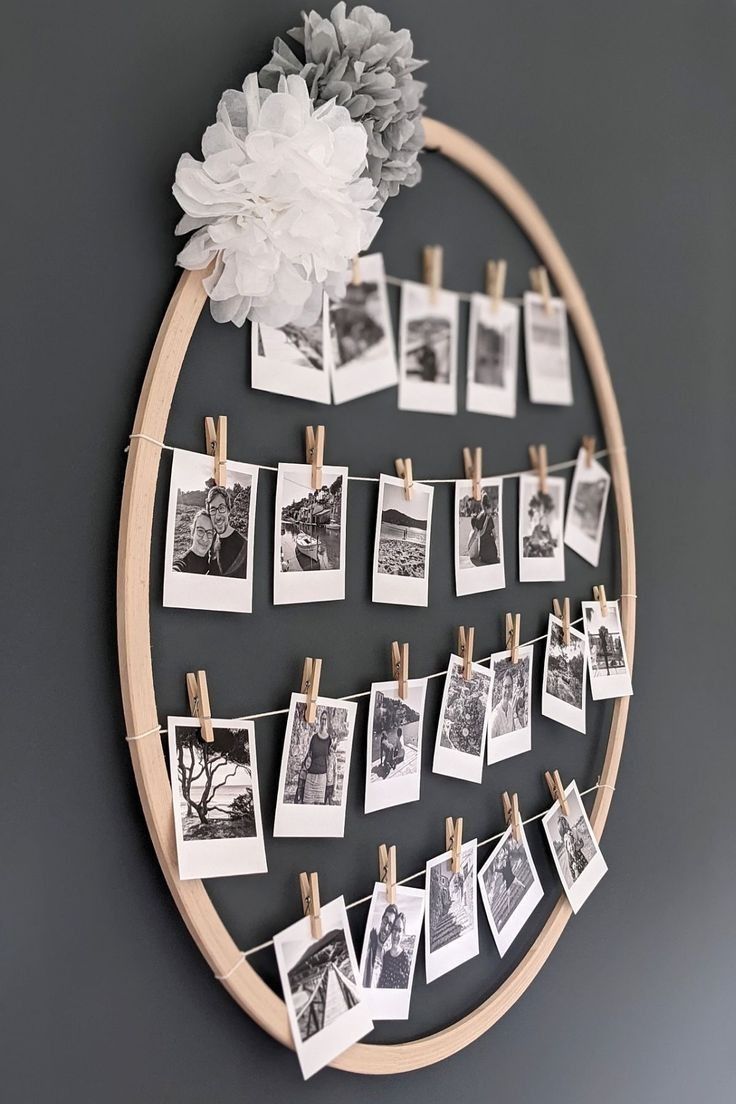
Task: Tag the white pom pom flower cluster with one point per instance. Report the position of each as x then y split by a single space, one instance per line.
280 203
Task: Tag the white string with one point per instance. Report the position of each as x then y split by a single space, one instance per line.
466 295
142 735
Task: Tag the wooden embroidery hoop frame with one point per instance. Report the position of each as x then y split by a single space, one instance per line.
134 640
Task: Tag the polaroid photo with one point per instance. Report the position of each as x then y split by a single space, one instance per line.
547 351
363 358
208 559
401 548
586 509
390 949
428 350
479 538
293 360
510 716
541 547
315 769
608 665
510 889
565 673
394 754
451 926
493 354
324 999
309 537
575 850
217 805
461 732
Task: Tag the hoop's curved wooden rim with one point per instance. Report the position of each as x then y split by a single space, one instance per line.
134 640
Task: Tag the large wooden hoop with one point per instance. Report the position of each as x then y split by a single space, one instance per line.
134 641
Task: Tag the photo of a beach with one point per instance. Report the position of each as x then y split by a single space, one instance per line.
402 547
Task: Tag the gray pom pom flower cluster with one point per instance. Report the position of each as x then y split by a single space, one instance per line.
366 67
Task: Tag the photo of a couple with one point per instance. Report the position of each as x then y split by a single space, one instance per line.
212 539
390 947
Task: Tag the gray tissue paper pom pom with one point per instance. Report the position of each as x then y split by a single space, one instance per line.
367 68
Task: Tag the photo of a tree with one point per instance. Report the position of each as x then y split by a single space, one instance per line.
215 784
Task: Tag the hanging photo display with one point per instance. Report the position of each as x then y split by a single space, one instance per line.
363 358
574 848
451 926
309 536
315 769
390 950
324 999
479 537
208 559
510 888
493 353
401 548
293 360
586 510
565 673
428 335
394 744
541 548
461 732
547 350
609 668
216 802
510 717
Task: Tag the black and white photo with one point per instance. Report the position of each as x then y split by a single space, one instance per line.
428 349
363 357
293 360
510 712
547 350
217 807
324 999
479 563
575 850
451 923
493 353
208 560
510 889
565 674
608 664
461 731
586 509
309 537
315 768
390 949
401 547
394 744
541 512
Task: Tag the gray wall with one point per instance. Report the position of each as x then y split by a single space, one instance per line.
620 121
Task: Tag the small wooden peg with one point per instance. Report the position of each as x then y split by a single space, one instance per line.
432 265
599 593
387 870
355 278
454 840
513 634
511 814
589 446
557 790
310 686
199 703
473 463
495 282
400 666
216 443
404 471
309 886
538 459
465 640
540 283
316 453
563 614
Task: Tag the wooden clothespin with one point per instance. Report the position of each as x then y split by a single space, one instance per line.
465 640
538 459
387 870
473 462
316 453
589 446
309 885
563 614
599 593
432 258
557 790
404 471
215 436
400 666
454 840
540 283
495 282
511 814
310 686
355 273
199 703
513 633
